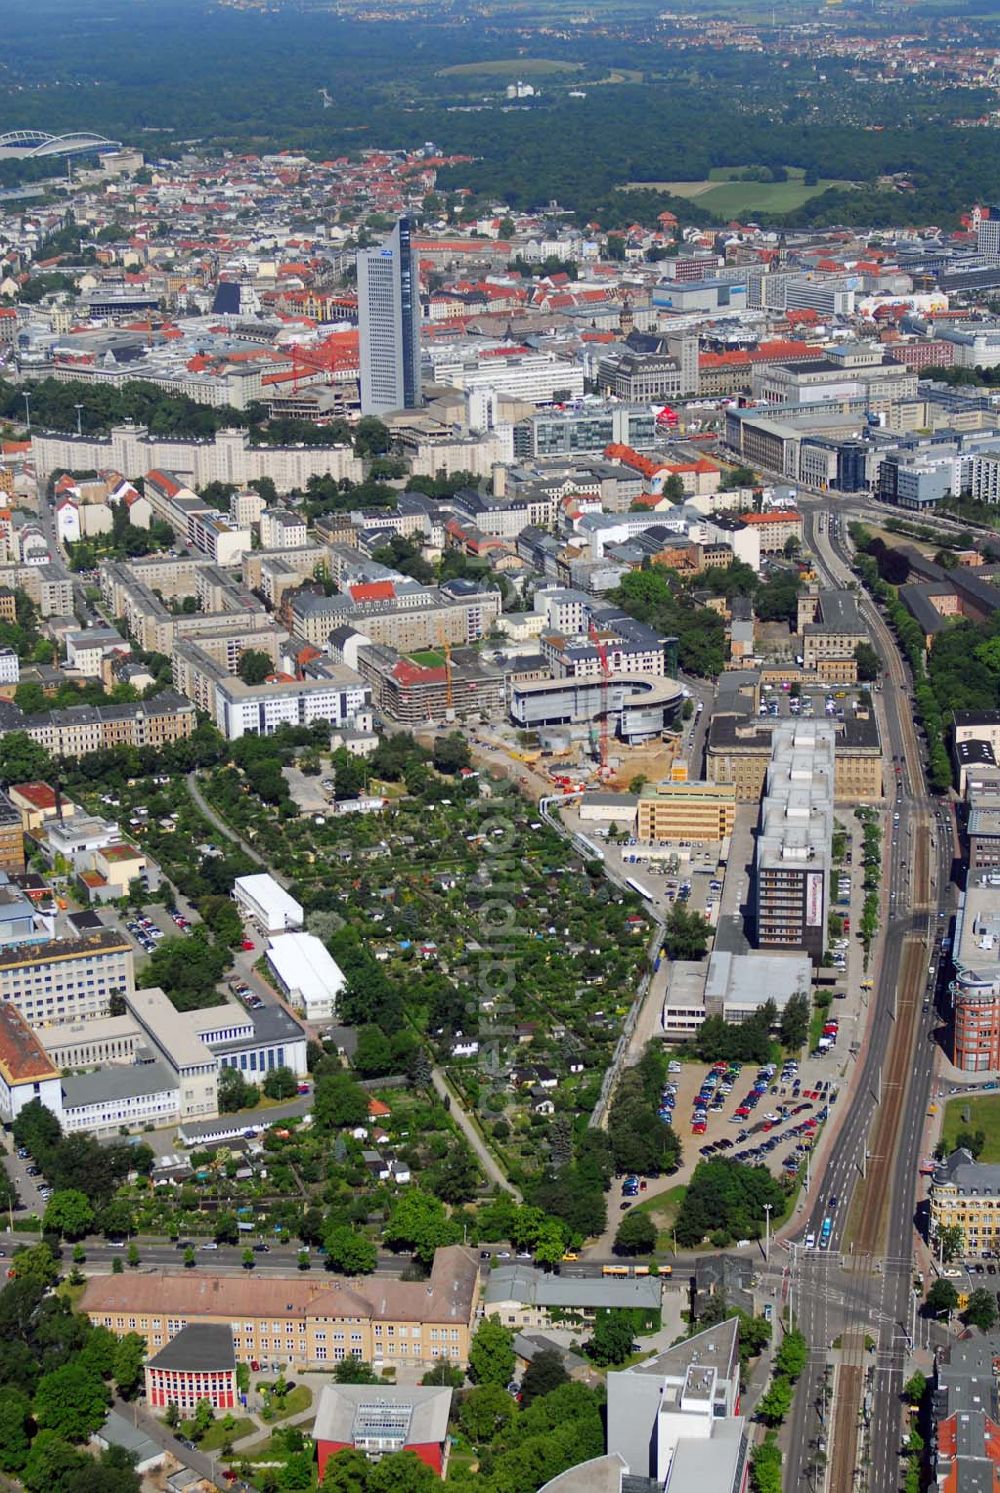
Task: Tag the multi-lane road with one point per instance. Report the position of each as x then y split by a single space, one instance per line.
859 1292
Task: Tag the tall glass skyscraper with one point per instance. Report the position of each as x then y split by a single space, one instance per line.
389 319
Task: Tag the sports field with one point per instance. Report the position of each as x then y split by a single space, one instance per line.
725 198
509 67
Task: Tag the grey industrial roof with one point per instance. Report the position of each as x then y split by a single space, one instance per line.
202 1345
115 1082
538 1288
917 601
118 1430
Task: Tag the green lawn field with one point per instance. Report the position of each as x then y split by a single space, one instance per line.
512 67
428 659
984 1115
730 199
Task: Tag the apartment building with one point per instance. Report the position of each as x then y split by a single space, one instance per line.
792 854
775 528
302 1322
407 618
281 528
965 1194
340 698
228 457
67 978
686 811
80 729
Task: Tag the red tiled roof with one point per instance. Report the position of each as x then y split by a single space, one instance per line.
779 516
373 591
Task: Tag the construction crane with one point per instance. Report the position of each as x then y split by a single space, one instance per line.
445 647
602 658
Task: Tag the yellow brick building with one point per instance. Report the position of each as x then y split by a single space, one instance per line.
301 1321
686 811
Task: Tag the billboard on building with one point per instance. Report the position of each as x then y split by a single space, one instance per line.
814 899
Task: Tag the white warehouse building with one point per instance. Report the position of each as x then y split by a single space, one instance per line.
307 973
265 902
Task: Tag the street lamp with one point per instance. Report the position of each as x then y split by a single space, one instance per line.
767 1232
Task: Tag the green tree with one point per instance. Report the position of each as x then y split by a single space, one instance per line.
338 1101
981 1311
52 1464
353 1370
204 1416
372 1057
281 1083
69 1214
673 488
71 1401
636 1235
23 760
419 1222
491 1353
254 666
172 1415
15 1412
36 1264
685 933
226 1228
793 1027
867 661
486 1410
611 1341
371 437
346 1472
234 1091
128 1364
765 1466
915 1388
790 1359
444 1374
349 1252
544 1373
451 752
941 1298
297 1473
775 1403
402 1472
248 1259
950 1240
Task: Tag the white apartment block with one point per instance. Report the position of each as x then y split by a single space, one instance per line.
280 528
241 709
229 457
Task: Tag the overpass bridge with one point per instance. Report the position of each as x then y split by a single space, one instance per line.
18 145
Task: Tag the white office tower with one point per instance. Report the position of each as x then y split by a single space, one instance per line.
389 318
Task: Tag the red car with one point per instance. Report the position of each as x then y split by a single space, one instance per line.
248 944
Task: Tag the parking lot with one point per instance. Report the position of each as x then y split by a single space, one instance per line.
780 1113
